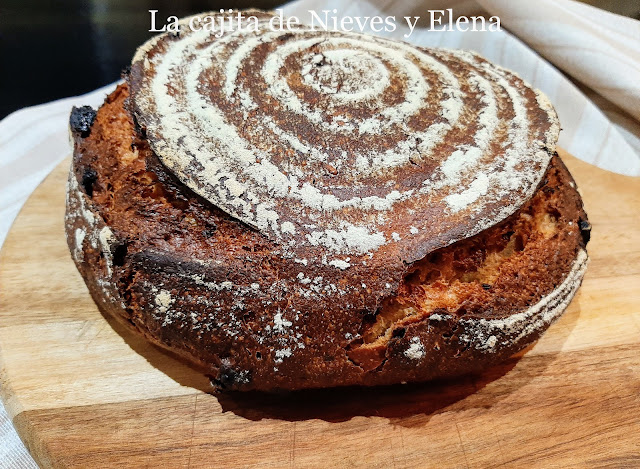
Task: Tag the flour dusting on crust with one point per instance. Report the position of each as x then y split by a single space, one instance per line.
343 142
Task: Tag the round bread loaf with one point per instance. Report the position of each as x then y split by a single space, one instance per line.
304 209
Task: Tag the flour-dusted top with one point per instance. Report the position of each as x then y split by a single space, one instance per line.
341 146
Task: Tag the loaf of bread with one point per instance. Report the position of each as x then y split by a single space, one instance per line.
307 209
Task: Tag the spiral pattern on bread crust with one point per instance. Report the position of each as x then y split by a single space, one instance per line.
341 144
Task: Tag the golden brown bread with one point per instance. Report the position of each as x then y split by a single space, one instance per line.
257 307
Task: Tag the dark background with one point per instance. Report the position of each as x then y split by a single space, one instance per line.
55 49
51 50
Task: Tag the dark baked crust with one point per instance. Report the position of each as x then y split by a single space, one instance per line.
212 289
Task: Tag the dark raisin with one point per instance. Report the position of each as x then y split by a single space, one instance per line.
89 177
486 286
119 254
585 230
81 120
399 332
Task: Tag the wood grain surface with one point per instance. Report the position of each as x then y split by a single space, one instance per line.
85 392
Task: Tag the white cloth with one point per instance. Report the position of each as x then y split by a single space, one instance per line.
598 49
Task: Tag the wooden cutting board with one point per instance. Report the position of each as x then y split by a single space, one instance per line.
84 392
